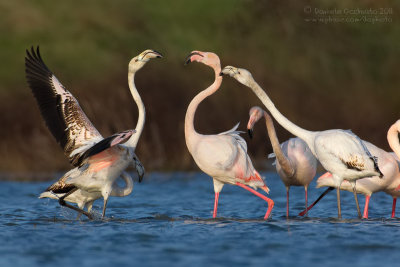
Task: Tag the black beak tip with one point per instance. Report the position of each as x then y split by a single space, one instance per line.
187 61
250 132
221 74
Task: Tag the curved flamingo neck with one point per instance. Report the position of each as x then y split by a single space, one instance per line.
118 191
280 156
307 136
132 142
190 132
393 138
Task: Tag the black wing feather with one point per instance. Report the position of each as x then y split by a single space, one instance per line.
39 80
104 144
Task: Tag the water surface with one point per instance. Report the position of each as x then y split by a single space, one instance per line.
167 221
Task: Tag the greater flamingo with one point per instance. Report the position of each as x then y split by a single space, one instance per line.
98 162
85 199
340 152
387 162
222 156
295 163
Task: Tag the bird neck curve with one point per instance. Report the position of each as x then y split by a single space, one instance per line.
284 162
393 138
307 136
132 142
190 132
118 191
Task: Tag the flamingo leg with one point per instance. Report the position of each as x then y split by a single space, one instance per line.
365 215
268 200
356 198
215 204
287 202
316 201
104 208
394 207
338 202
306 195
65 204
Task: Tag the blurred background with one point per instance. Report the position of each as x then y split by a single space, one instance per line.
325 64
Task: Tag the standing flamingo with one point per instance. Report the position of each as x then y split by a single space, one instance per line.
295 163
98 162
340 152
222 156
387 162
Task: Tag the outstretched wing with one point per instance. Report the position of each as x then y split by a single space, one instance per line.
61 111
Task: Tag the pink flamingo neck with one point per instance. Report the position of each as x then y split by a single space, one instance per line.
393 139
283 161
190 132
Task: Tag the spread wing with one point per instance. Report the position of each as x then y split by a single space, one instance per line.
61 111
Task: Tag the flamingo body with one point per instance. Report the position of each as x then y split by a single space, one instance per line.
340 152
98 161
222 156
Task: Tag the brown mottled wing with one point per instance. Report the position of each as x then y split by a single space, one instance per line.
60 186
59 108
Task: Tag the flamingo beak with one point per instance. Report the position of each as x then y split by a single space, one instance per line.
189 57
250 132
158 54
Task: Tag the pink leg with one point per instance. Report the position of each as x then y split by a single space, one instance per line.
269 201
365 215
287 202
215 205
394 207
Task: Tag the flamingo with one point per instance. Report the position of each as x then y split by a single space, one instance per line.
295 163
387 162
85 199
98 161
222 156
340 152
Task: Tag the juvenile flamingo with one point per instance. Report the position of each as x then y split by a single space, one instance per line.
295 163
387 162
340 152
98 161
86 199
222 156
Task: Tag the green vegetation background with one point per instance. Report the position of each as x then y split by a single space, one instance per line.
320 75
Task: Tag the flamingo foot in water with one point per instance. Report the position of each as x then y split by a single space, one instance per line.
394 207
268 200
215 205
365 215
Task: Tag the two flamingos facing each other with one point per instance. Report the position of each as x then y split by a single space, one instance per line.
388 163
98 161
295 163
340 152
222 156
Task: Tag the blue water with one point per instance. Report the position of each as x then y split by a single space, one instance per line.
166 221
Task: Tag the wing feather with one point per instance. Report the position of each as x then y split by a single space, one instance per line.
61 111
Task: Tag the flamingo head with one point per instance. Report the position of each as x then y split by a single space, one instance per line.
207 58
241 75
255 114
139 61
